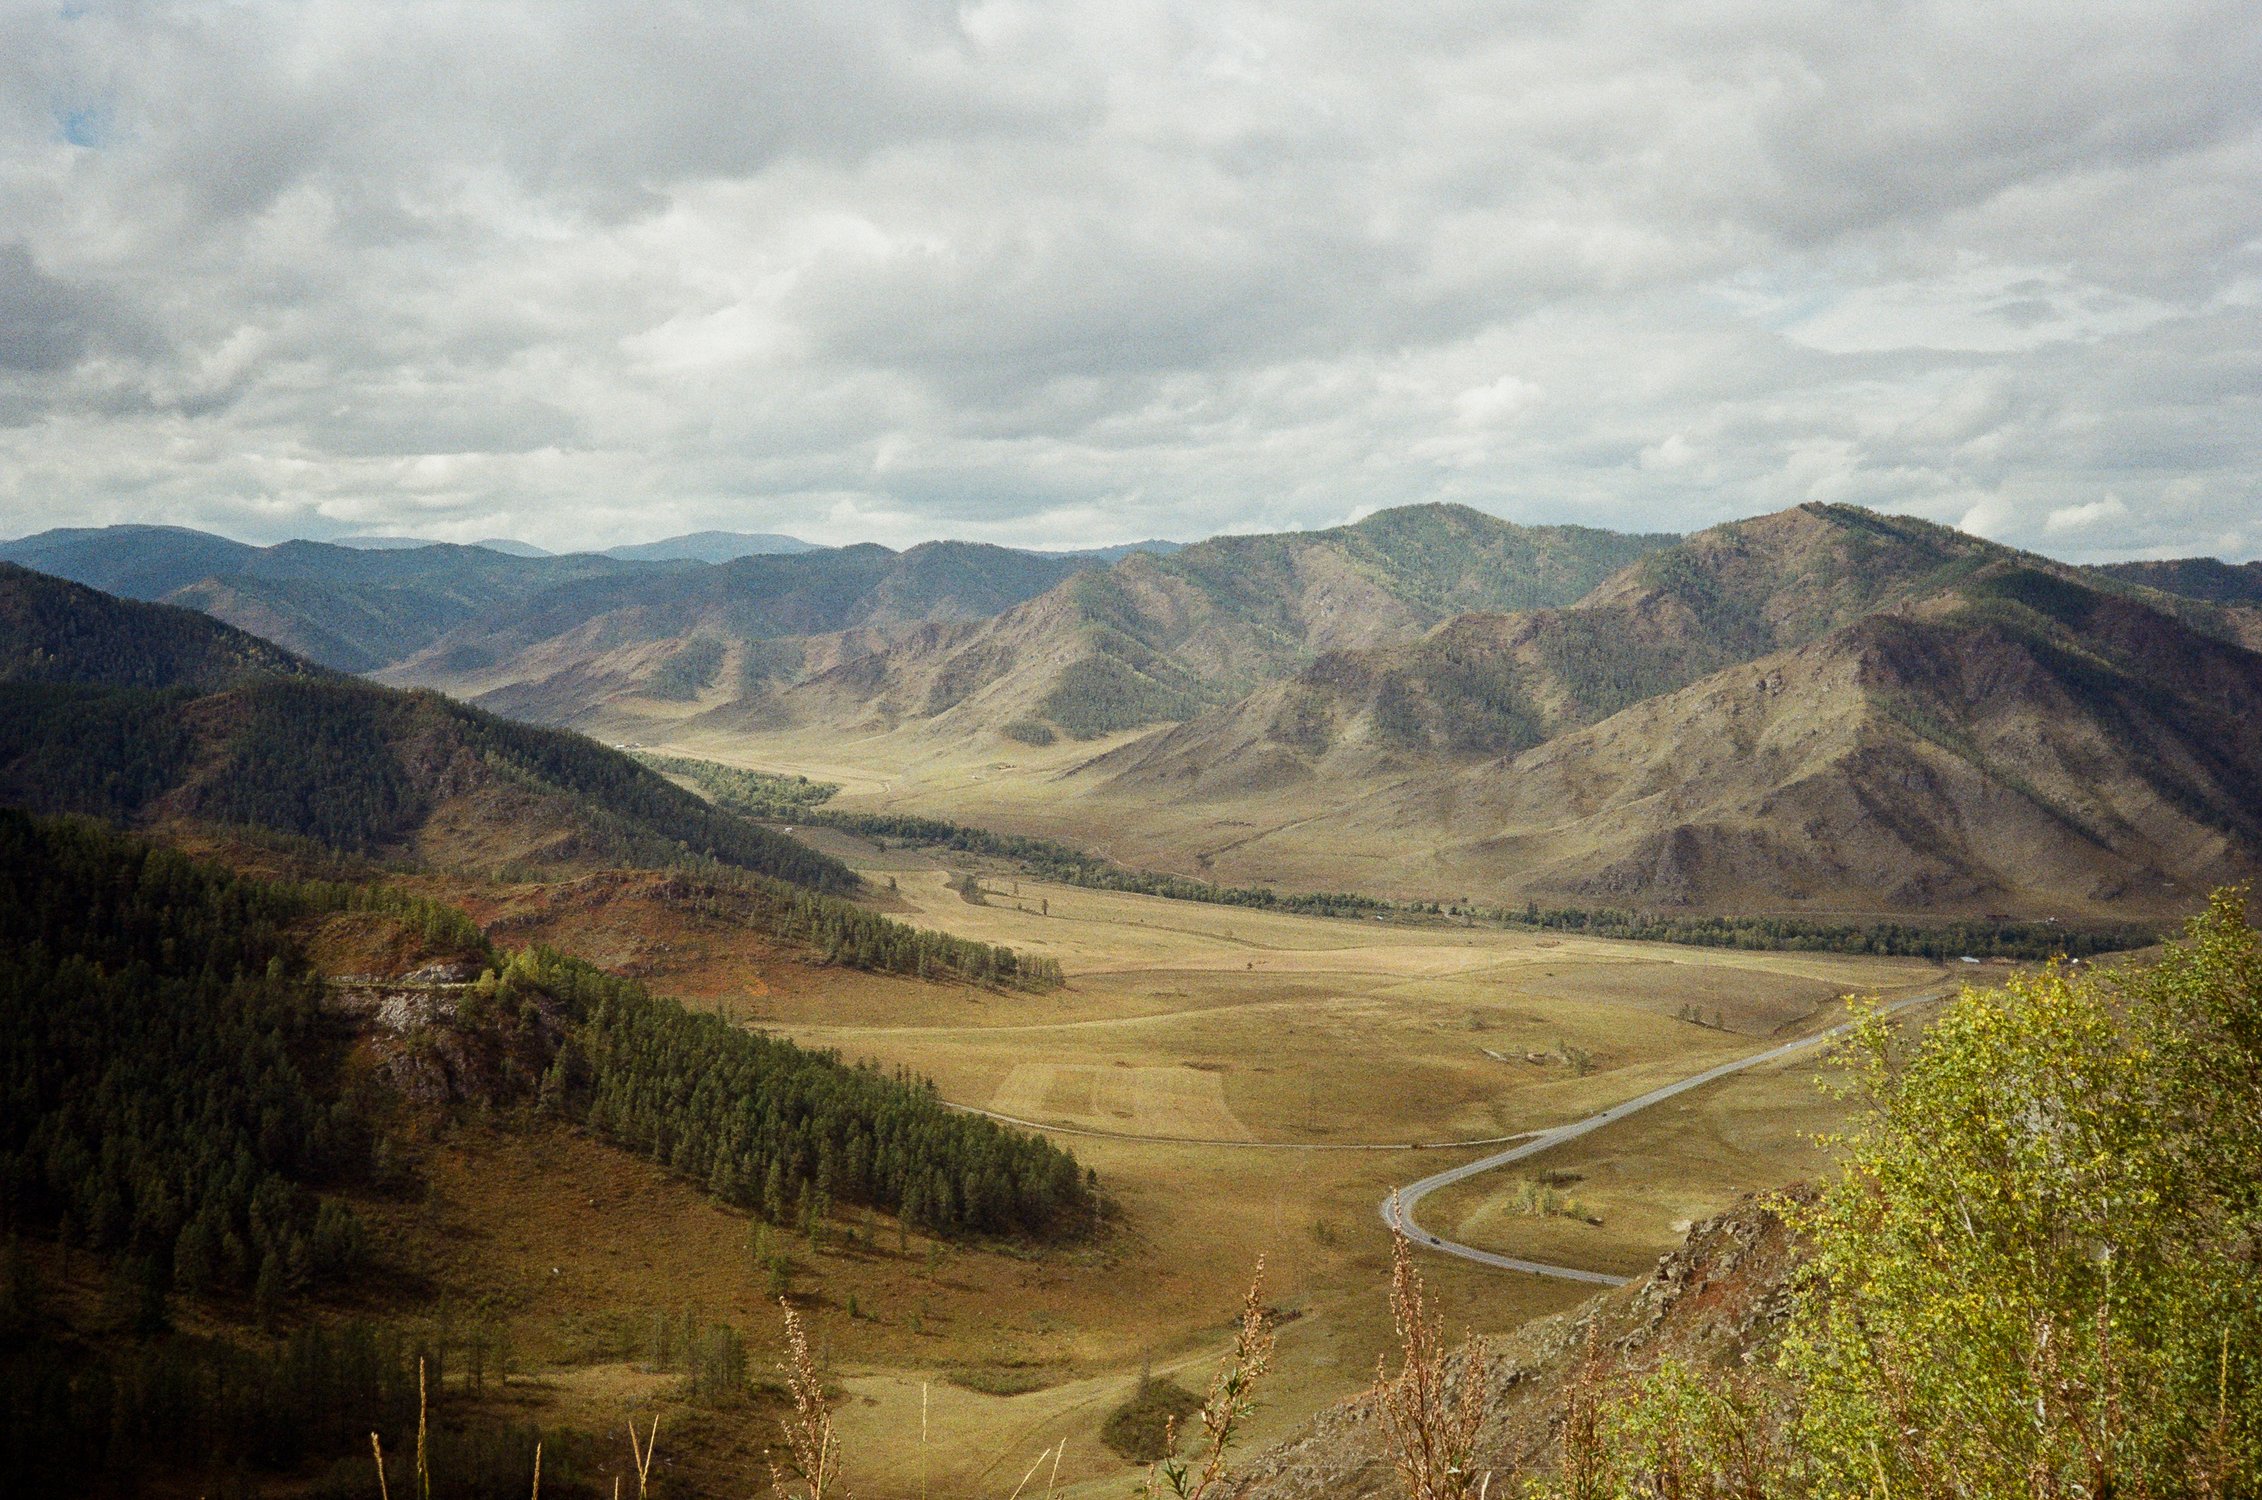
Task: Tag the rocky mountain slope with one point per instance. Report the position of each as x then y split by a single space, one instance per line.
1718 1303
721 632
1159 638
1823 708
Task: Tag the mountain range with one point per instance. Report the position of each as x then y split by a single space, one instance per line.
1821 709
956 639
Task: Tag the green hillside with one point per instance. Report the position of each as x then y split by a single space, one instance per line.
133 711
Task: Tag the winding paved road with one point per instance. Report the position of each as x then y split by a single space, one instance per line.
1398 1208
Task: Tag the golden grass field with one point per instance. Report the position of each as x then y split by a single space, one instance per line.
1214 1063
1270 1034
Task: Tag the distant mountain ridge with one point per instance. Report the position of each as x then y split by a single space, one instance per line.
364 603
1821 709
1156 638
353 608
729 628
2203 578
508 546
136 562
1824 707
711 547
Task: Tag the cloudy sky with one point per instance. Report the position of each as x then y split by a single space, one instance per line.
1062 273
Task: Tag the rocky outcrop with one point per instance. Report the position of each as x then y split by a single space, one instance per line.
1719 1301
438 1037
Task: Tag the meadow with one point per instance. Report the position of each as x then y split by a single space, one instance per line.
1248 1083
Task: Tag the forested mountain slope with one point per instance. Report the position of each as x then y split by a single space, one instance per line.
195 1099
145 712
2206 578
347 607
2221 598
57 633
137 562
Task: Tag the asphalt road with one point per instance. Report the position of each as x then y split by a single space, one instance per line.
1398 1208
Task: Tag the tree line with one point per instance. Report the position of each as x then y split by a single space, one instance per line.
782 1130
755 794
173 1095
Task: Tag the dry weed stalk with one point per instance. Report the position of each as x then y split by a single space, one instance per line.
642 1453
1584 1469
1054 1454
1228 1406
1431 1430
812 1447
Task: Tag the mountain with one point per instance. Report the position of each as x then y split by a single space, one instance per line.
352 606
1120 550
357 609
138 562
2203 578
711 547
1489 683
360 609
573 651
1824 709
149 713
1162 637
508 546
51 632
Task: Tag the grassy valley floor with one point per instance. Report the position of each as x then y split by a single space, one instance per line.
1266 1035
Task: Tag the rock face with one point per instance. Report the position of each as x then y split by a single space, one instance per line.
1719 1302
438 1040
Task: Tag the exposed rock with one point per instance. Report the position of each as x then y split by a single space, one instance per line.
445 1042
1719 1301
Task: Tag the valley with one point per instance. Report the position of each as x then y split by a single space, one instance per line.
1266 1035
628 1043
997 751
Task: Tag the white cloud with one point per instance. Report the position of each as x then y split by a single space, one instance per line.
2086 515
1496 402
1115 268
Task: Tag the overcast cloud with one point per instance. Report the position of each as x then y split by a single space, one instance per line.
1057 273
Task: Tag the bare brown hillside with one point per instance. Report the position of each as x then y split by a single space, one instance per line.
1154 638
2015 741
1491 684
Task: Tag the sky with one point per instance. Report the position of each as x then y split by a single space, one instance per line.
1061 274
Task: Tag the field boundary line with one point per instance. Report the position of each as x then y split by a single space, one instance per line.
1195 1140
